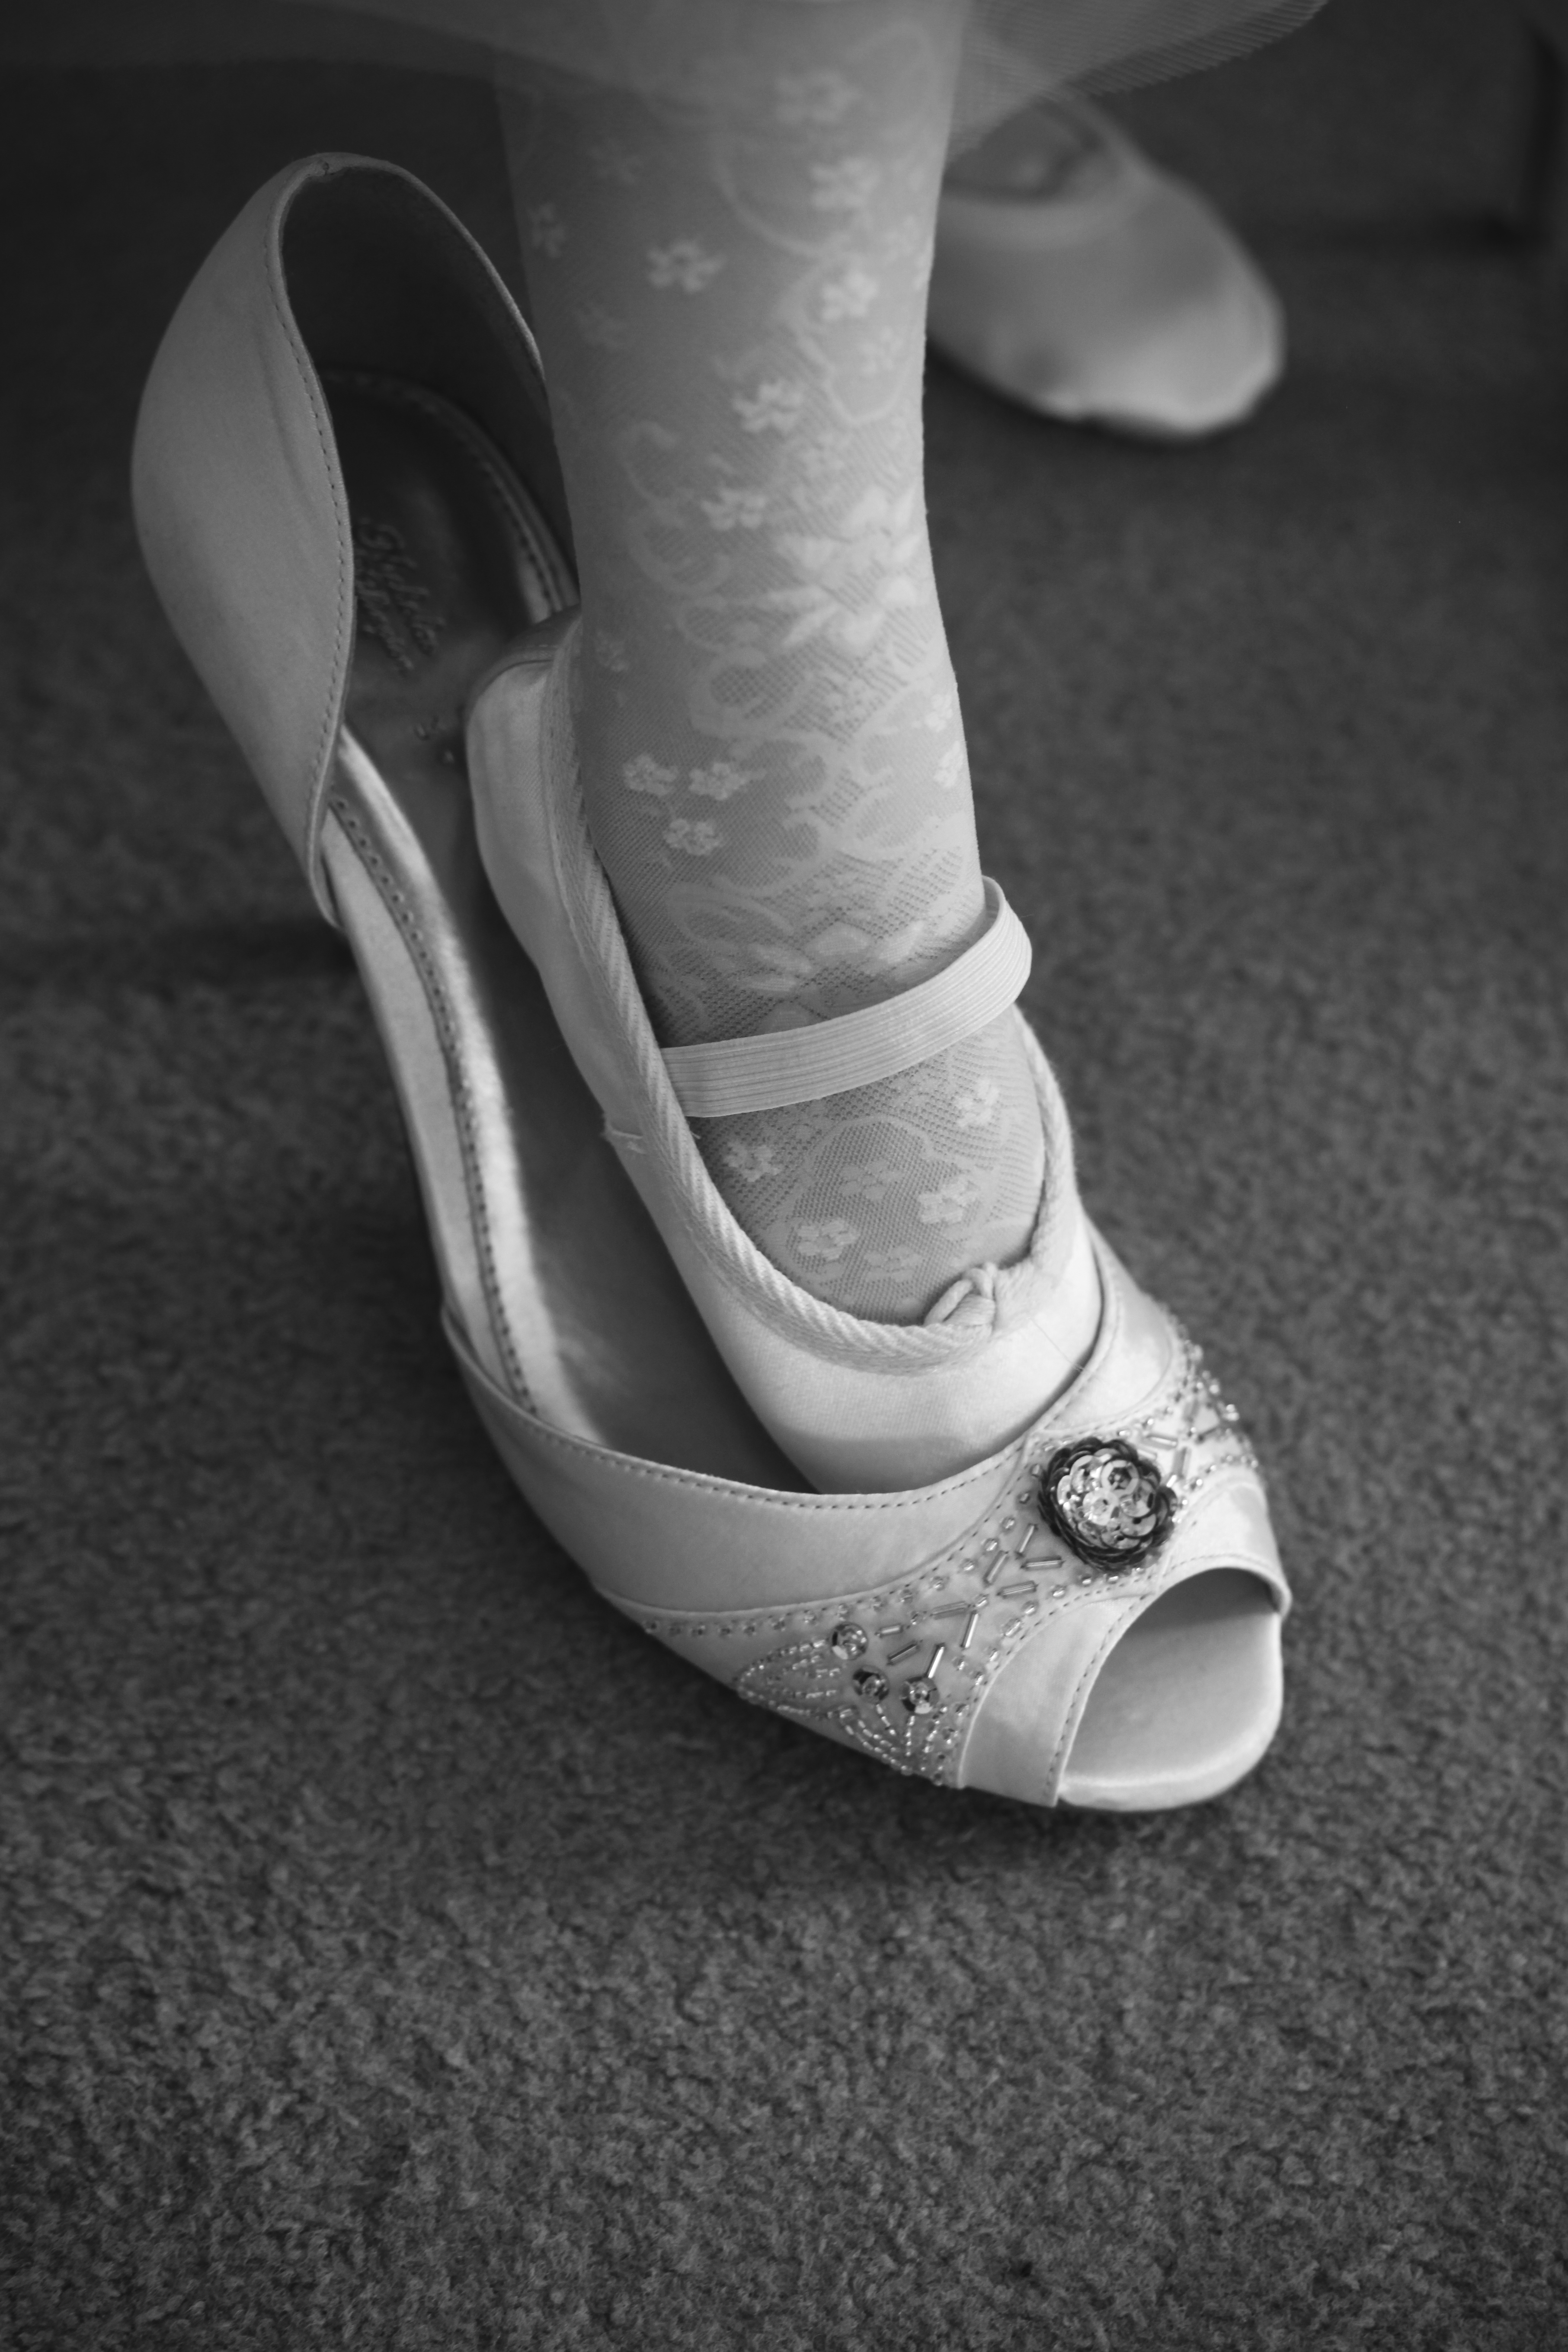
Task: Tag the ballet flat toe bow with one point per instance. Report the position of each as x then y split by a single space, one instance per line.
346 490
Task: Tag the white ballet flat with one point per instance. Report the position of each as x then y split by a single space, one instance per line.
855 1405
346 416
1073 275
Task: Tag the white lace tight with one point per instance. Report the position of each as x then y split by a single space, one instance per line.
729 281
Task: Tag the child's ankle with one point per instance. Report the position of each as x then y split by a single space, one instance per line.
879 1198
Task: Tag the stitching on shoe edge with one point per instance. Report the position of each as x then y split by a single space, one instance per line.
319 418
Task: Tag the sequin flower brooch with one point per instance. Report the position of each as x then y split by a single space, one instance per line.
1105 1499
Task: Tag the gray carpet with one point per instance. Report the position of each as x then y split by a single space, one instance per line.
398 1949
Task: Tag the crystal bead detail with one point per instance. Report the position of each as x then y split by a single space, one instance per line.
847 1642
870 1685
921 1696
1105 1499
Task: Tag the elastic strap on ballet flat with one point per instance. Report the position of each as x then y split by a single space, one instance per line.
854 1049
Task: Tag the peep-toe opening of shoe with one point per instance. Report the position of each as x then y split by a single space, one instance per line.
1185 1703
1137 1706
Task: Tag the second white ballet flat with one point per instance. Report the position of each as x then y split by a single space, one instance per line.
1073 275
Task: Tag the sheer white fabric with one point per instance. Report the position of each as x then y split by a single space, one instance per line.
1012 48
729 276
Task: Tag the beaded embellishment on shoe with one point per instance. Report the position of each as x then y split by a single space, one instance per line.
898 1671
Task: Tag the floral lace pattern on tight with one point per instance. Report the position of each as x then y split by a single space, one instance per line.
868 1192
731 293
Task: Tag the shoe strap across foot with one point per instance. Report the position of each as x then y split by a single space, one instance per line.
767 1072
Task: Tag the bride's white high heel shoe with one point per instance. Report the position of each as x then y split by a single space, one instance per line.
347 494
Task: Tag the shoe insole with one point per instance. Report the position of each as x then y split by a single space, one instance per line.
452 566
